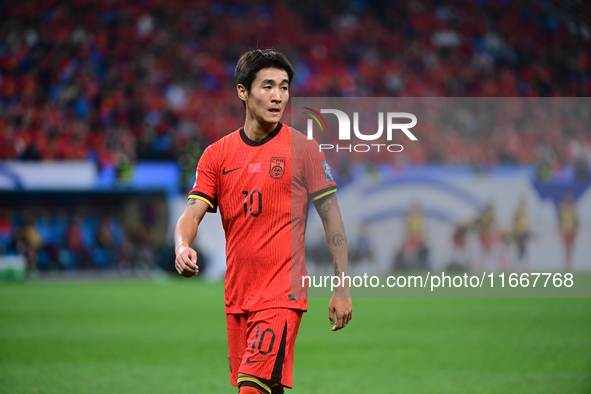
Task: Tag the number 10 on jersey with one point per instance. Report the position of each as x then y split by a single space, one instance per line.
253 204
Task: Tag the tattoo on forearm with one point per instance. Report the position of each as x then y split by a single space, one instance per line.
337 239
191 201
326 203
334 264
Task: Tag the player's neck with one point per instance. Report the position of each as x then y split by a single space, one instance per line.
256 131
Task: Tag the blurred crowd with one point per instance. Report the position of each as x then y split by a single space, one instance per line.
95 234
551 135
117 81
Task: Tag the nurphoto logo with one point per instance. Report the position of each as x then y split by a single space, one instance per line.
345 129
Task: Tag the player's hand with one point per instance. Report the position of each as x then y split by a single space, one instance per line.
186 262
342 309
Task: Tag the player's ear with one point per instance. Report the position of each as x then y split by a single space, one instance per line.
242 93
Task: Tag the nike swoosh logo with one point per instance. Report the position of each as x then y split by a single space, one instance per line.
224 172
249 361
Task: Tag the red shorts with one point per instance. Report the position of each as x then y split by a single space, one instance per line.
261 344
568 238
486 240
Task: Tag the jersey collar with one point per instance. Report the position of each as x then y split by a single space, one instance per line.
268 138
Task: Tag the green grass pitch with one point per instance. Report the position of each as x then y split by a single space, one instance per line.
169 337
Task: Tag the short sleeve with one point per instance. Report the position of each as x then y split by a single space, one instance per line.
318 178
206 185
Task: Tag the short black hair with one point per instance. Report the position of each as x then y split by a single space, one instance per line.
253 61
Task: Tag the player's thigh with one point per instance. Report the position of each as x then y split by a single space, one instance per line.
237 334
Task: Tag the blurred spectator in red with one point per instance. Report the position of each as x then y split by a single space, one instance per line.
79 254
6 233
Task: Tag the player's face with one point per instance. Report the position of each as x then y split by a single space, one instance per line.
268 95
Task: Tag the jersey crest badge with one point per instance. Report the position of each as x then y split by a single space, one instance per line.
277 168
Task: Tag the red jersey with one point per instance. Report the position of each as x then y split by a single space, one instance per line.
263 190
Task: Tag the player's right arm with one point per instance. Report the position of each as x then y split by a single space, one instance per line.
184 233
202 198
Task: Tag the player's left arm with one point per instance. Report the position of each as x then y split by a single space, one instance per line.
340 305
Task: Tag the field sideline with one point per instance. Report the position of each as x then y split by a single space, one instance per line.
142 336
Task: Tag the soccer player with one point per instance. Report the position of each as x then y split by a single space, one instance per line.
262 178
521 234
569 224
